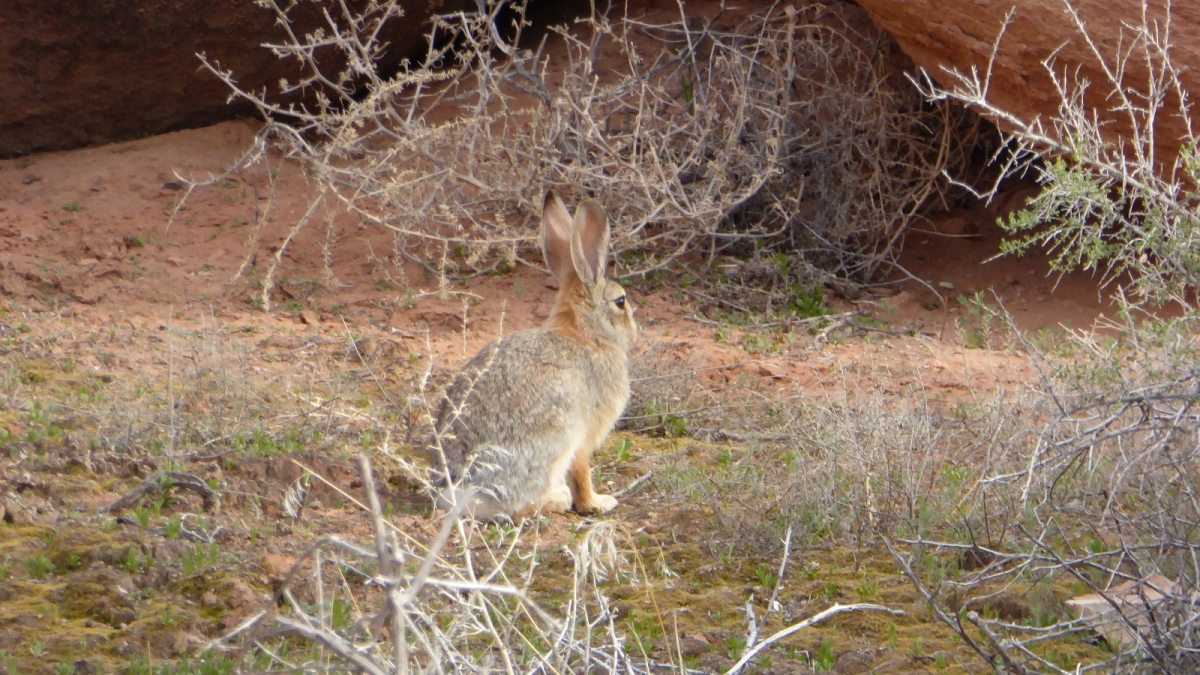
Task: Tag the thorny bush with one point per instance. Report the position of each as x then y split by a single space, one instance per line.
787 128
1105 491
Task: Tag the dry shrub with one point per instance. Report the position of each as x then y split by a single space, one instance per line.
462 597
1104 489
1119 195
460 601
851 465
695 136
1008 499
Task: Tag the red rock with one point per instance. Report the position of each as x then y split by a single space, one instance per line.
79 72
959 34
771 370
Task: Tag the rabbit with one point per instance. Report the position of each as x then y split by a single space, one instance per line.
517 426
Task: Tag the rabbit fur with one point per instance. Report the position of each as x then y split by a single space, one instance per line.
517 426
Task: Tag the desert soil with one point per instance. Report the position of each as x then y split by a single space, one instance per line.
105 307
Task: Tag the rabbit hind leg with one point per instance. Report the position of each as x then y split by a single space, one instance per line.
583 496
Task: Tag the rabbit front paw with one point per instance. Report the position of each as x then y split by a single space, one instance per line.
557 498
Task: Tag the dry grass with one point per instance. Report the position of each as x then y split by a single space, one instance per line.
834 477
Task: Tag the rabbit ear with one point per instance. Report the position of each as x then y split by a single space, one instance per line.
556 235
589 243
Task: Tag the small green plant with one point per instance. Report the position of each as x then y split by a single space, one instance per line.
38 567
339 614
133 562
866 590
72 207
6 568
725 458
977 326
735 645
194 560
623 449
893 637
726 556
823 659
765 576
142 514
173 527
138 665
807 303
644 629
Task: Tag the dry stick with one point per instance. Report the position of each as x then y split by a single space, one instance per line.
399 625
363 360
284 585
794 628
171 380
786 322
435 547
354 501
634 485
752 623
941 616
212 501
267 280
787 547
250 156
252 239
331 640
718 434
250 622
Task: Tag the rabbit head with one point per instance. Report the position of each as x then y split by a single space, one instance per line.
590 306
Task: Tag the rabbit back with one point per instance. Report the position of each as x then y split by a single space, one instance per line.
511 419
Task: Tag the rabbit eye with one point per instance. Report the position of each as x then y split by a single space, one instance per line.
620 302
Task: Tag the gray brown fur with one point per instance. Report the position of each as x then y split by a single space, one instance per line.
518 424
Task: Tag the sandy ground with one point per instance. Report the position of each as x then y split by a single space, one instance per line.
86 233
